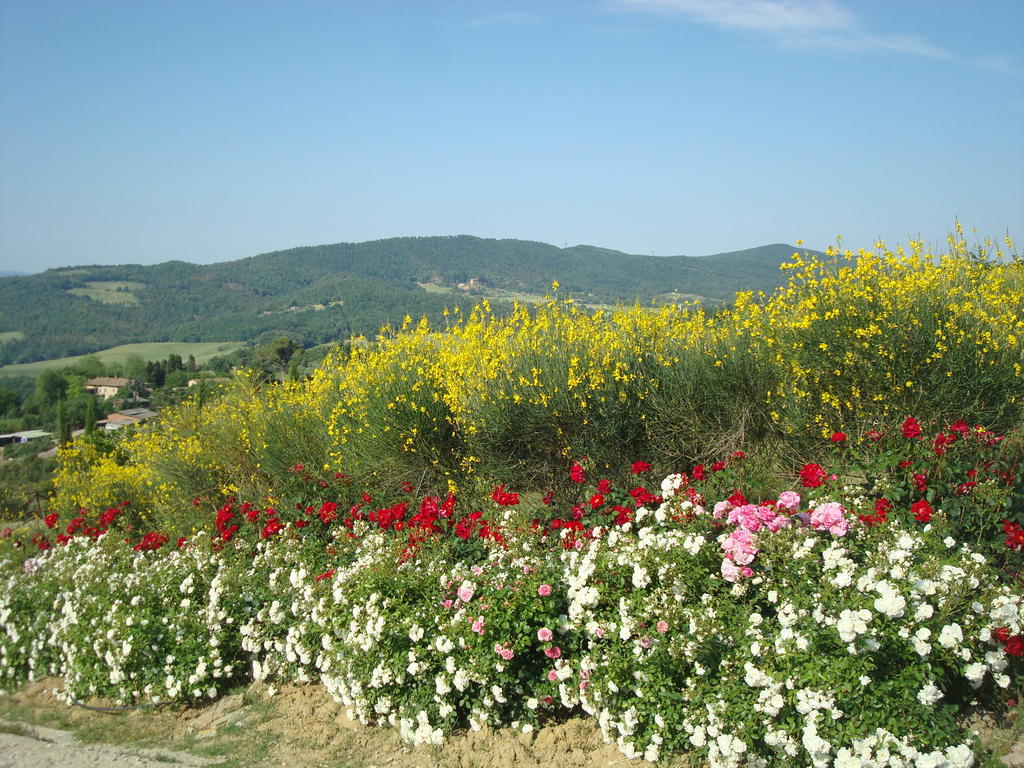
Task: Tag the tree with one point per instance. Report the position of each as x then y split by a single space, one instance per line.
90 415
8 402
63 425
90 367
50 387
201 394
135 367
280 351
156 372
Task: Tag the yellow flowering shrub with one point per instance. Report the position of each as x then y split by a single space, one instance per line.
853 339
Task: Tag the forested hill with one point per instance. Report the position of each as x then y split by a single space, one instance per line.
329 292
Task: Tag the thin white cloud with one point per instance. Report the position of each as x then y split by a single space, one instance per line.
506 19
794 23
774 16
856 41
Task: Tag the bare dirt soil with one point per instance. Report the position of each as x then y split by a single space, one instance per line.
299 727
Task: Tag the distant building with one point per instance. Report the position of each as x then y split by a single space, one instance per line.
26 436
106 386
124 418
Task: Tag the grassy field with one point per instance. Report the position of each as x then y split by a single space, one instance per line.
110 291
11 336
203 351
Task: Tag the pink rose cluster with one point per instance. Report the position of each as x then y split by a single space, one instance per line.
740 546
830 517
752 517
504 651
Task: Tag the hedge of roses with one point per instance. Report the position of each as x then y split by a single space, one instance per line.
803 629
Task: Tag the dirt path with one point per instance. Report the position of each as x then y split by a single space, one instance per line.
38 747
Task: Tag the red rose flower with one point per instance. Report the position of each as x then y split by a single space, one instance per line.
328 512
51 520
150 542
922 511
911 428
576 473
1015 646
812 475
639 467
838 437
882 509
504 498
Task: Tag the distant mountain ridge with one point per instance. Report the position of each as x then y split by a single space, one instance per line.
330 292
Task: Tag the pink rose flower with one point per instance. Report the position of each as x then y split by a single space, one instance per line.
478 625
789 500
544 634
830 517
720 510
552 675
544 590
729 570
465 592
553 652
662 627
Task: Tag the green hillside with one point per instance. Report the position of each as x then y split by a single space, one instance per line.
323 293
201 351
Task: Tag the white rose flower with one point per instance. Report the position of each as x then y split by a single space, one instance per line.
951 635
929 694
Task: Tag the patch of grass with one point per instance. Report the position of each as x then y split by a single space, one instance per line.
110 291
7 336
157 350
49 716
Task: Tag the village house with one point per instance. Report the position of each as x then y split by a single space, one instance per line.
106 386
124 418
25 436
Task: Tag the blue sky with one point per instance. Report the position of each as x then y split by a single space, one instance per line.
205 131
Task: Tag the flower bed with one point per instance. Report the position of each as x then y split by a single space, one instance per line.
800 630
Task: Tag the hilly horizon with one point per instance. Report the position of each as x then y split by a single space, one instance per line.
331 292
